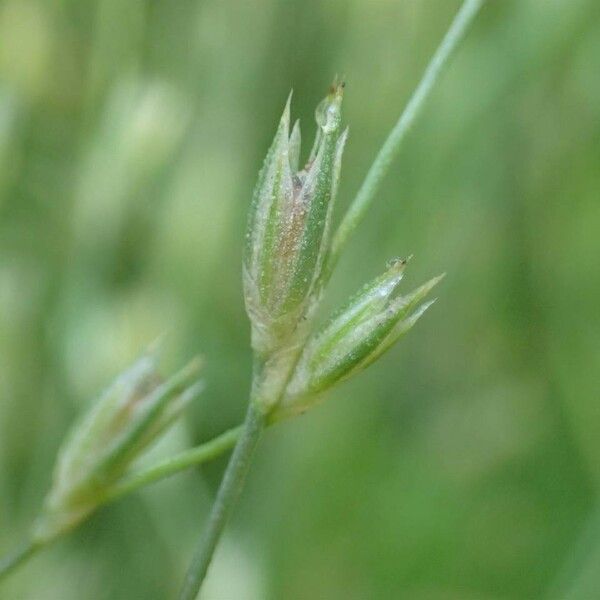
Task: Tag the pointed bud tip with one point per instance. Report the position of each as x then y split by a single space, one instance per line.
397 264
337 87
329 111
194 390
437 279
429 285
285 117
192 368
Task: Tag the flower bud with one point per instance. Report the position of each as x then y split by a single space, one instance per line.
288 226
130 414
354 337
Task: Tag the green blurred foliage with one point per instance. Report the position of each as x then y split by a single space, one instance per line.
464 465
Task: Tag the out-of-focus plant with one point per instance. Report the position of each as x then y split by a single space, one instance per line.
289 256
93 463
132 413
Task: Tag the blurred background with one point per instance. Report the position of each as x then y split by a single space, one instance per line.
464 465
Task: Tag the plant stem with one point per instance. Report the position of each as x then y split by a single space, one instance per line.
229 491
170 466
389 150
12 561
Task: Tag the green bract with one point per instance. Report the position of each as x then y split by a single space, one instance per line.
130 415
288 226
354 337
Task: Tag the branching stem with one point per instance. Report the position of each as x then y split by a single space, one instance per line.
131 483
233 479
170 466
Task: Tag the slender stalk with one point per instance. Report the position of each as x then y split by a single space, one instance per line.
229 491
12 561
174 464
131 483
389 150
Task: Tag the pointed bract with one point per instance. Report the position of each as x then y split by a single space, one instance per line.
295 147
288 227
371 322
129 416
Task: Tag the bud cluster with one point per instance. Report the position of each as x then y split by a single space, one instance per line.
289 224
128 417
287 242
355 336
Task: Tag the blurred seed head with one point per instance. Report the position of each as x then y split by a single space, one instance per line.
142 126
130 415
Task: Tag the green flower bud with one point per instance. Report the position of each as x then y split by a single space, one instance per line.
129 415
288 226
355 336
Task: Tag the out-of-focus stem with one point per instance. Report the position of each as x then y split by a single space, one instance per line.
170 466
389 150
131 483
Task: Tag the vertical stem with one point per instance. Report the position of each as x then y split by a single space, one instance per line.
390 148
229 491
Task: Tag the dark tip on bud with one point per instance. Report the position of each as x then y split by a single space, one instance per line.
395 262
337 87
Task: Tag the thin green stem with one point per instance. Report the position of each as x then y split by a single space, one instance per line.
131 483
229 491
389 150
174 464
19 556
